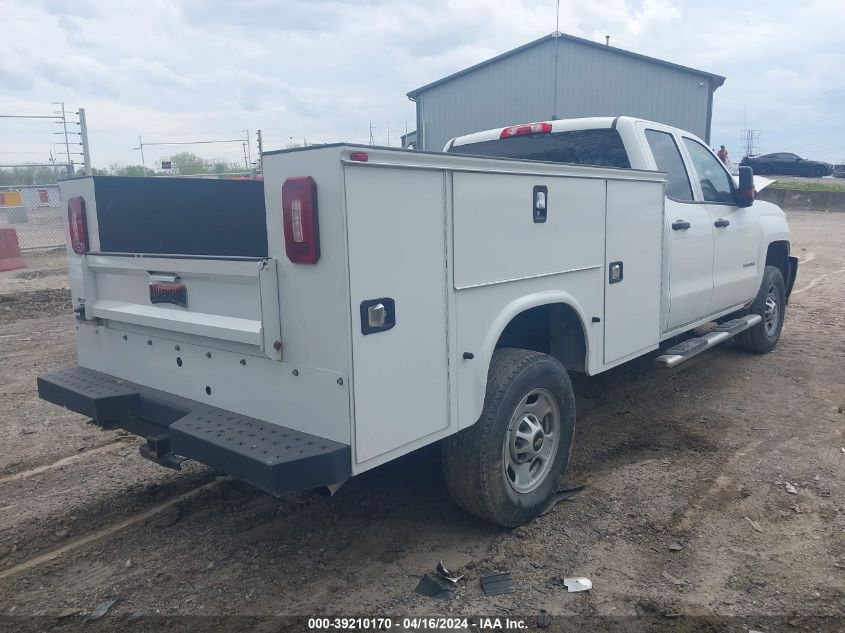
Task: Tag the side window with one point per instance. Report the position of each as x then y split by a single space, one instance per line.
668 159
715 181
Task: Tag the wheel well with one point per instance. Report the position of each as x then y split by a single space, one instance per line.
553 329
778 255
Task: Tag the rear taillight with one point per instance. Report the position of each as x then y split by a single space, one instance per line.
525 130
299 216
76 225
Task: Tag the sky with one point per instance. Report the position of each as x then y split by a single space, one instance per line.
325 70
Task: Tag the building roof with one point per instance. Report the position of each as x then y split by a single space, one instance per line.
718 80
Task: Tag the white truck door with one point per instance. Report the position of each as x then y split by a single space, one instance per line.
736 230
690 232
396 228
633 257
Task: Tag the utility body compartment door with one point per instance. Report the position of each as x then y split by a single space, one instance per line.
397 268
633 258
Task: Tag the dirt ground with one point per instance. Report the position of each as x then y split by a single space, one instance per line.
737 458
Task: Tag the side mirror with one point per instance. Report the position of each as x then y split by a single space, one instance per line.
745 192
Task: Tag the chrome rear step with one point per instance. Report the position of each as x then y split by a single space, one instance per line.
693 347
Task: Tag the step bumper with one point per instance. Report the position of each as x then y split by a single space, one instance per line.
271 457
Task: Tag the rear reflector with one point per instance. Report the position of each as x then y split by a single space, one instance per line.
525 130
360 157
76 225
299 217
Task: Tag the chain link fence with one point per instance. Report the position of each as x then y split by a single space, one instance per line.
35 212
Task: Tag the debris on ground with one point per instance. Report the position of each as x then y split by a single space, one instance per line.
577 583
448 575
672 579
497 584
544 620
791 489
66 613
100 610
128 563
675 546
429 587
754 524
562 495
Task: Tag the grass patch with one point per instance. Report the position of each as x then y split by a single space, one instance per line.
808 186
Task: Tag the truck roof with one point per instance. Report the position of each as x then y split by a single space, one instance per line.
560 125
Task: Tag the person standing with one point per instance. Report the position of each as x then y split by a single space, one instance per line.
723 155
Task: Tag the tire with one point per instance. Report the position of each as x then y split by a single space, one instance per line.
764 336
819 172
763 169
498 469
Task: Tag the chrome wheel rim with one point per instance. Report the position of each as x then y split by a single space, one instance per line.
771 312
531 441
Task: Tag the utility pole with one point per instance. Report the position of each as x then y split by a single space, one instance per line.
388 133
248 147
372 140
83 134
141 147
67 144
260 151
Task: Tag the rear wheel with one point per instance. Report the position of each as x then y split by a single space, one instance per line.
770 304
763 169
506 467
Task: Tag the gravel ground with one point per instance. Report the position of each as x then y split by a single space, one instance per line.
738 459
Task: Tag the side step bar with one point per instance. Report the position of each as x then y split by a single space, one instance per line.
694 346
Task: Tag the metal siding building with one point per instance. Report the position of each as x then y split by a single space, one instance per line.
592 80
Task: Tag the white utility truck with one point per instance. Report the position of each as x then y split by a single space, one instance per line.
364 302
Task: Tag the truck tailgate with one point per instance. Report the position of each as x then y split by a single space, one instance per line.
226 299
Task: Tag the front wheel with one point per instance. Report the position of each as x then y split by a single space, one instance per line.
819 172
507 466
763 169
770 304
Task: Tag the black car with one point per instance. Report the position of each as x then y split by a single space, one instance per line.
786 163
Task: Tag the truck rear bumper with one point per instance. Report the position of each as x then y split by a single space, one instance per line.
273 458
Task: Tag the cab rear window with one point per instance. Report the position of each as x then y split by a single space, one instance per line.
601 148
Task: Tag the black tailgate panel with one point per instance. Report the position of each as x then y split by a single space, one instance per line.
181 216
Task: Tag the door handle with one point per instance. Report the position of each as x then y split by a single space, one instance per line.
680 225
721 223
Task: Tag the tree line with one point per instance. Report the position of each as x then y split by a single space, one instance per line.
182 164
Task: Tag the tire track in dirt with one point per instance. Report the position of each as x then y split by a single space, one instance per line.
108 531
64 461
816 280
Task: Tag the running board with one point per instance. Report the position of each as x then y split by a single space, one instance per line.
694 346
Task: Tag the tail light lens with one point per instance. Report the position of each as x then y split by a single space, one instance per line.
299 217
527 129
76 225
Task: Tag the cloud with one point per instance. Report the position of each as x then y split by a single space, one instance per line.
326 69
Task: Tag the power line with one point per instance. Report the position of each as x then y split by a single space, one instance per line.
232 140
